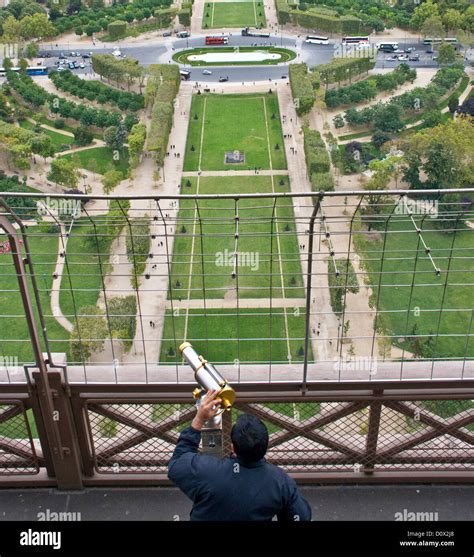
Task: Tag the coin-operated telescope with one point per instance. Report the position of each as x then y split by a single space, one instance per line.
209 379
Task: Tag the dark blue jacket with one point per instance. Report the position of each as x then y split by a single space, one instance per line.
228 489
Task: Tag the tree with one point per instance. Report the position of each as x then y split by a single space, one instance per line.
453 103
136 142
432 118
83 136
89 333
42 145
379 138
79 31
423 12
11 29
111 179
338 121
31 50
467 107
23 65
115 136
388 118
7 64
452 19
64 172
446 54
433 27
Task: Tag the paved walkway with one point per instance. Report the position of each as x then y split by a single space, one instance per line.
227 173
213 303
57 279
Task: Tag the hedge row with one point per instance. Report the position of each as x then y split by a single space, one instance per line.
368 88
95 90
341 283
100 18
320 18
317 161
37 96
161 91
417 99
340 69
301 88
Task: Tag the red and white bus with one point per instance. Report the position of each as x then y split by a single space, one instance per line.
355 40
217 39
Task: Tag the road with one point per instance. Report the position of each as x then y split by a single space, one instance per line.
162 51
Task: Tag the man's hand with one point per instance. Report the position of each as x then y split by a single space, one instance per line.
209 407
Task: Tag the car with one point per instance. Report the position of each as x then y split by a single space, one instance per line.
403 57
167 34
434 58
222 79
410 49
392 58
82 65
72 54
429 51
206 72
71 66
61 69
75 64
398 51
86 56
414 58
284 77
117 53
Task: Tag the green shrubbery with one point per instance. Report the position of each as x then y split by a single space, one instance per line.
368 88
341 69
138 247
301 88
117 29
418 99
341 282
95 90
162 88
317 161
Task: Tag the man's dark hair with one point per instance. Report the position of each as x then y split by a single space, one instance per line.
250 438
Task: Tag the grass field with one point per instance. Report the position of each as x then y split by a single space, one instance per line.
214 333
57 139
81 283
396 283
100 160
233 14
197 247
222 123
182 57
14 334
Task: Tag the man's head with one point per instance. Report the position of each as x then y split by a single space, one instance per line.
249 437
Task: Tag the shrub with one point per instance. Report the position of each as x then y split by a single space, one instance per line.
301 88
117 29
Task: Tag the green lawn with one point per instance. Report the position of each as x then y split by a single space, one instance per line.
81 283
223 123
14 336
57 139
15 428
259 236
396 283
285 55
101 159
233 14
214 333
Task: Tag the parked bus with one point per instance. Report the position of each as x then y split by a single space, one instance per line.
212 39
247 32
30 70
355 40
314 39
185 74
387 46
429 41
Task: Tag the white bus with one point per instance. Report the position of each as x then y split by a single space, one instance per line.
429 40
314 39
355 40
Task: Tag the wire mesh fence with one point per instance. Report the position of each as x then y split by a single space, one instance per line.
341 285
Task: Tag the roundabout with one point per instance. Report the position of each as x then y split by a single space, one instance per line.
234 56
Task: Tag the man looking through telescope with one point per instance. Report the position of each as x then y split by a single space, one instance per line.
242 487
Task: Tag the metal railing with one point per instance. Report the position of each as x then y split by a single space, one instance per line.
343 318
